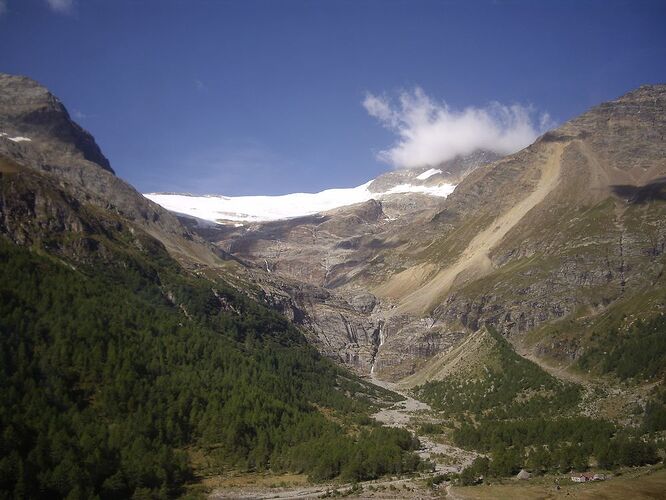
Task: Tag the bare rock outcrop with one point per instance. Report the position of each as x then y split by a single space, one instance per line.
568 227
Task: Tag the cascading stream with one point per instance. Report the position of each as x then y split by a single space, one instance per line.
374 358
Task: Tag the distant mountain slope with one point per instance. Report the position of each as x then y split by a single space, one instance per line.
451 171
571 227
437 182
317 268
123 369
30 111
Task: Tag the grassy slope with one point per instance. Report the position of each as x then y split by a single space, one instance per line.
637 483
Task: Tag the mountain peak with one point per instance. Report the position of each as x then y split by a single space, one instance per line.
29 110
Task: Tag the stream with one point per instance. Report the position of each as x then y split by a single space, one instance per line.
403 414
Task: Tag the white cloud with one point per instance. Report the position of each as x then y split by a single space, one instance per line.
430 132
3 7
61 5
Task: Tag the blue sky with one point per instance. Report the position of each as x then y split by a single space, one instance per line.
267 97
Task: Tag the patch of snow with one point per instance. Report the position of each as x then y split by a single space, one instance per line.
19 139
428 173
288 206
3 134
442 190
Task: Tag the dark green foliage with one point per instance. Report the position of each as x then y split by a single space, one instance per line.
655 412
629 452
520 389
505 462
635 352
479 468
374 453
520 416
539 459
489 435
468 477
539 444
557 445
106 381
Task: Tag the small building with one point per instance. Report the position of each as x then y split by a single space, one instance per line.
585 477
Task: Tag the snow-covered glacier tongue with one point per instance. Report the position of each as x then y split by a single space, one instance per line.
267 208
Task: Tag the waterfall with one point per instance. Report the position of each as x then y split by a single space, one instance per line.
381 341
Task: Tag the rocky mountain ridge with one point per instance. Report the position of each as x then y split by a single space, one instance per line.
30 111
451 171
61 154
541 245
572 226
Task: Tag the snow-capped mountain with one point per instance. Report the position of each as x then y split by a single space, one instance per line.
268 208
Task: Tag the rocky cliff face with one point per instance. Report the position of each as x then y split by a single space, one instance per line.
29 110
38 136
451 171
320 269
570 227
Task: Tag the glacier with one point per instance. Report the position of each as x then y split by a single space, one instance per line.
214 208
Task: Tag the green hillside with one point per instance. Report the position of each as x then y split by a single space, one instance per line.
494 382
523 417
112 373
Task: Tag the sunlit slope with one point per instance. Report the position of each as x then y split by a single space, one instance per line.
569 226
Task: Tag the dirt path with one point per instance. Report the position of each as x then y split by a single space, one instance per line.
474 261
560 372
383 488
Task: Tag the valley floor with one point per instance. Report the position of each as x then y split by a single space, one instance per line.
410 414
636 483
642 482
